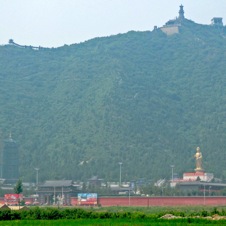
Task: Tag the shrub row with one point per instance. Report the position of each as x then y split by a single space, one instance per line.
72 213
78 213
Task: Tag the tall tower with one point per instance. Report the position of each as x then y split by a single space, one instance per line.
10 160
181 12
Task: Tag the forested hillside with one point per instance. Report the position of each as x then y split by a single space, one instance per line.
141 98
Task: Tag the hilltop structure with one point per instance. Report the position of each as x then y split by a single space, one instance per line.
217 22
173 26
11 42
181 13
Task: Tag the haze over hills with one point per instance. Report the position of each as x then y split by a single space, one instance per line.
142 98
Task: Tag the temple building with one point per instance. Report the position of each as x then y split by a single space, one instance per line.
198 175
57 192
199 180
172 26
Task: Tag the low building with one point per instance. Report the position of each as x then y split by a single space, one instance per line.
200 176
198 186
95 181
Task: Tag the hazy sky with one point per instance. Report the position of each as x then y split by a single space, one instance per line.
53 23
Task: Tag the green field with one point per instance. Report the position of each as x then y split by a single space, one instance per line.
160 210
109 222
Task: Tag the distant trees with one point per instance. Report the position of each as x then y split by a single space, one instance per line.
18 189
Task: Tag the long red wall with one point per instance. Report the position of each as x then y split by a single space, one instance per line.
157 201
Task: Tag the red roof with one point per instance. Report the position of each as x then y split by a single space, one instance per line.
194 174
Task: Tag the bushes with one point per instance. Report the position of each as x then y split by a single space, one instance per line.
51 214
215 211
32 214
138 215
73 213
204 213
78 213
5 215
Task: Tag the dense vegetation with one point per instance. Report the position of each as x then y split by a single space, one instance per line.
141 98
51 213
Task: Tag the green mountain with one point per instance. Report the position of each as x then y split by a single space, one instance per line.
142 98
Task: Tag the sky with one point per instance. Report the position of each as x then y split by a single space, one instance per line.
54 23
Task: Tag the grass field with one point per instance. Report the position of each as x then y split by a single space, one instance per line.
110 222
188 210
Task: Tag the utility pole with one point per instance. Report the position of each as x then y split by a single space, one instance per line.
172 166
120 173
37 169
204 194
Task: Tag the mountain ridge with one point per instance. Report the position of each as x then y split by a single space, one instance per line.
142 98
